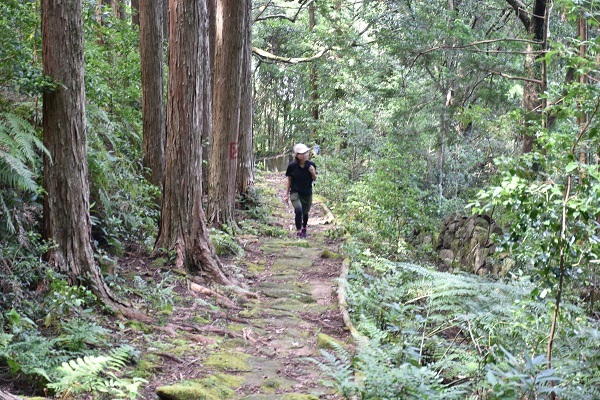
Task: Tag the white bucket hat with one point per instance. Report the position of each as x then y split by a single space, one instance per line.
300 148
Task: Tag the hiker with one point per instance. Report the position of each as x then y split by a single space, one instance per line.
300 176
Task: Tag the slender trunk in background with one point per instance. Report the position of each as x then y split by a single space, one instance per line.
207 135
166 19
153 109
135 12
245 173
582 119
226 112
183 227
536 24
314 94
118 7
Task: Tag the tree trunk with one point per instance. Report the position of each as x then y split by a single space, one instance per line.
183 226
226 112
533 88
582 119
207 135
166 19
118 7
153 111
245 174
314 94
135 12
66 203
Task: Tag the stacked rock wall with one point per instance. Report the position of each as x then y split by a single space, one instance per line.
465 243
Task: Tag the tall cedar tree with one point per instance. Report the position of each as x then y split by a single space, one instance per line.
151 46
245 173
226 112
183 226
66 203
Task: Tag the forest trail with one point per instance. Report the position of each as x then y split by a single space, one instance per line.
261 350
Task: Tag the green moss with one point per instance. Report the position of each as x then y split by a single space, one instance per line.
146 367
270 385
296 396
255 268
234 343
274 246
139 326
229 361
236 327
330 254
159 262
184 391
201 320
327 342
291 264
249 313
215 387
285 304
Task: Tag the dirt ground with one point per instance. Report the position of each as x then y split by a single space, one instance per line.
237 347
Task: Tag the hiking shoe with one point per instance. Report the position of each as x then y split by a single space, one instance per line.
303 233
299 234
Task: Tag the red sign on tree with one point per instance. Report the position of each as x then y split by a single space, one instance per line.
233 150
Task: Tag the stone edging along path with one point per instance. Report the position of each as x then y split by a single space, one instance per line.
264 348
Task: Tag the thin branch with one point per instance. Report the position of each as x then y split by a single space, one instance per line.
585 127
264 8
515 78
284 16
265 55
475 44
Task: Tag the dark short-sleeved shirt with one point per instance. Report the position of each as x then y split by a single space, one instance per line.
301 178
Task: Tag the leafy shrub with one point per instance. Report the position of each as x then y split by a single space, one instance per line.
455 325
225 243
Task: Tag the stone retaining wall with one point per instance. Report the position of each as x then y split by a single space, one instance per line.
465 243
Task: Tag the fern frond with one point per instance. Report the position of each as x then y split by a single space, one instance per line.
15 174
90 374
18 145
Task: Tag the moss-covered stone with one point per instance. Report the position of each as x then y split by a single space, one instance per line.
296 396
215 387
255 268
328 254
229 361
200 320
291 264
249 313
286 304
274 246
139 326
184 391
281 290
234 343
326 342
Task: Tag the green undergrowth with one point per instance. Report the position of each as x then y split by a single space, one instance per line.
434 335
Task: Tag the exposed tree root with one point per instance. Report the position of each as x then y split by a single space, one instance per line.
8 396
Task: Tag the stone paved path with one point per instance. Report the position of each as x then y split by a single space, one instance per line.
272 338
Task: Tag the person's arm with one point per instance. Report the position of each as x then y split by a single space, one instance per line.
287 189
313 171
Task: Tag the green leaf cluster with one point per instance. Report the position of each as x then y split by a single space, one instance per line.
467 334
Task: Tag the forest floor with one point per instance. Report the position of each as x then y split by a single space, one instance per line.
213 347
